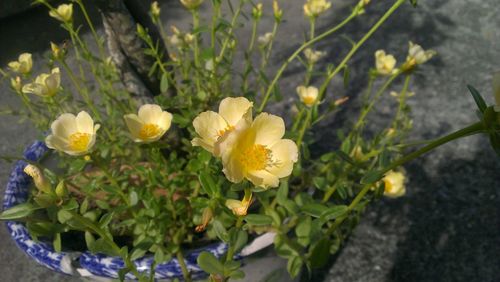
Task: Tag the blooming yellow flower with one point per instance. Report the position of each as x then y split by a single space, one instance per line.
313 8
39 179
73 135
265 39
384 63
240 208
417 56
191 4
313 56
211 126
394 183
256 152
63 13
45 85
308 95
149 125
23 64
496 90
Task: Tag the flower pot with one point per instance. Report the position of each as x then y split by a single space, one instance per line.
97 266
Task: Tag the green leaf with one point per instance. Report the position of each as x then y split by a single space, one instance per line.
320 182
89 239
334 212
137 253
57 242
345 157
236 275
106 219
258 219
63 216
481 104
241 240
209 263
164 83
320 253
220 231
282 194
208 184
414 3
371 177
294 266
314 209
61 190
133 198
19 211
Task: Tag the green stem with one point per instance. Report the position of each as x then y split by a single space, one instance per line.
196 23
297 53
182 263
355 48
92 29
402 102
304 128
230 250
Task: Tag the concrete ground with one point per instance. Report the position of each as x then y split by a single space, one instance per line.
447 227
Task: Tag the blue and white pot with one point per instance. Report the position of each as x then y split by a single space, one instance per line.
96 265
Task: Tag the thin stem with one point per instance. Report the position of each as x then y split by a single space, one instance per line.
92 29
230 251
295 54
304 128
355 48
182 263
196 23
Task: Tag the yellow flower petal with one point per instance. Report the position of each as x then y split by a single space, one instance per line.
284 155
84 123
268 129
150 113
209 126
234 109
263 179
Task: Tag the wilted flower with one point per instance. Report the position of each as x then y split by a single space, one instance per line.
313 56
394 184
73 135
191 4
384 63
41 183
23 64
16 84
149 125
206 217
240 208
417 56
211 126
308 95
45 85
313 8
265 39
64 12
257 152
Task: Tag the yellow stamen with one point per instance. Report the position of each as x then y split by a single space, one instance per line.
388 186
79 141
149 130
256 157
225 130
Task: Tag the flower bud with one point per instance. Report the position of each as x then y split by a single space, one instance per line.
155 11
191 4
206 217
257 11
57 52
240 208
39 179
313 8
384 63
278 13
16 84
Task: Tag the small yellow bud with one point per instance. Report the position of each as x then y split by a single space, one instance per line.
63 13
313 8
257 11
23 64
16 84
191 4
384 63
394 183
189 38
87 158
155 10
39 179
357 153
57 52
278 13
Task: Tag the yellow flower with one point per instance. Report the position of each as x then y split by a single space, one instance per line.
417 56
39 179
240 208
313 8
45 85
257 152
496 90
191 4
16 84
73 135
189 38
394 183
384 63
308 95
265 39
149 125
313 56
63 13
23 64
211 126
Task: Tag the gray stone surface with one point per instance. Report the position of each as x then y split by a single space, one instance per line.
447 228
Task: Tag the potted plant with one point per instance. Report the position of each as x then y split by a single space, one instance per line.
179 171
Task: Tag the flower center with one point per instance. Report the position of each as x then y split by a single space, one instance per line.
149 130
308 100
79 141
256 157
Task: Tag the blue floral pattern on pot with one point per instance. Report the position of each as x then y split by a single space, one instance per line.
100 265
